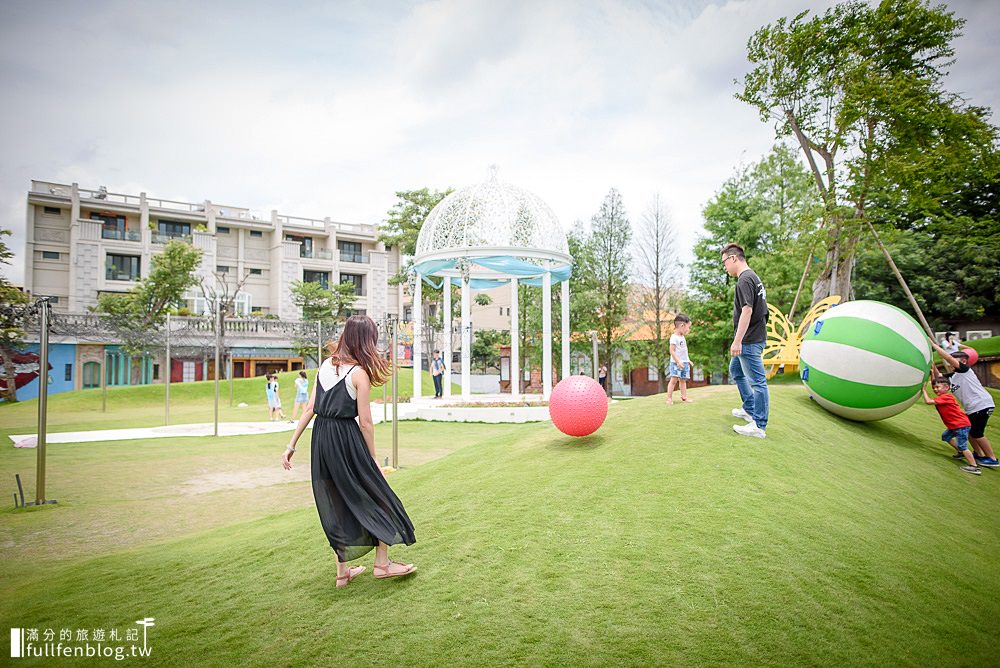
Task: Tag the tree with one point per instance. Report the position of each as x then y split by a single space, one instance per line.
136 314
657 269
953 277
861 90
14 313
404 220
326 306
486 348
770 209
609 242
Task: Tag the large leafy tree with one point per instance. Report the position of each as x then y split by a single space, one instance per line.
769 208
404 220
610 237
325 306
860 88
138 313
954 277
13 316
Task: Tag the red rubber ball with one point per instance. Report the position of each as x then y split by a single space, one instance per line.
578 406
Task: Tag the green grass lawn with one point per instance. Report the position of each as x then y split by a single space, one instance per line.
663 539
143 405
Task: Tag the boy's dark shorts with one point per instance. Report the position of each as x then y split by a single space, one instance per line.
979 420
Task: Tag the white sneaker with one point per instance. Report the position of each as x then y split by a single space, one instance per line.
740 413
750 429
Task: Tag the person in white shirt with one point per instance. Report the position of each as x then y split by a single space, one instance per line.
680 364
977 403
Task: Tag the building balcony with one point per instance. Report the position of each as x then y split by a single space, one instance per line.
356 258
121 235
158 238
113 275
322 254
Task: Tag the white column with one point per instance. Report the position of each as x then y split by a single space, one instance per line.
417 331
515 343
466 339
565 328
447 337
546 335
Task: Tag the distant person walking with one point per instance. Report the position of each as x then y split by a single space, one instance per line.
750 334
301 393
951 343
357 509
273 398
602 377
437 373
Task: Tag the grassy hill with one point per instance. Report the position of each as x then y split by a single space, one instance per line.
662 539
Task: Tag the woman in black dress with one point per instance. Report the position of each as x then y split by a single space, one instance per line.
357 508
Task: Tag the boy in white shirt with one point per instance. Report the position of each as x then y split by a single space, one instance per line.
680 364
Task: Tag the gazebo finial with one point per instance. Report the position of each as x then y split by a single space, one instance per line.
494 168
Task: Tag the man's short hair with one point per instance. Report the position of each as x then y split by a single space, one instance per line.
680 317
733 249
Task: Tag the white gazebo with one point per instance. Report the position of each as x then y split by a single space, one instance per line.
481 237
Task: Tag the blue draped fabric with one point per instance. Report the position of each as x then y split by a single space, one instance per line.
502 264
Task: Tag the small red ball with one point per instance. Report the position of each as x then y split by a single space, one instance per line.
578 406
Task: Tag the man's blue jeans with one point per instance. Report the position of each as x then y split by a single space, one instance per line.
747 371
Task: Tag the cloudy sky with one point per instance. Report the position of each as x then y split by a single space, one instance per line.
328 108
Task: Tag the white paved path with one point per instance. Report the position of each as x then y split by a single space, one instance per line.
423 410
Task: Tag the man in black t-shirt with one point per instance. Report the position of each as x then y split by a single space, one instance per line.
750 335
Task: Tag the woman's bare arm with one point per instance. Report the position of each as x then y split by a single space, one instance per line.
364 388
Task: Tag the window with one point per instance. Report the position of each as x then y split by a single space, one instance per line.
356 279
256 272
173 228
53 299
256 233
112 225
50 255
652 373
91 375
243 304
321 277
350 251
156 372
69 372
53 211
121 267
222 229
221 269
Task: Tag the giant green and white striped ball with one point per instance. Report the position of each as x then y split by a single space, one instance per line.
865 360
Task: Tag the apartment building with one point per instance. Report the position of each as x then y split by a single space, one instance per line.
83 242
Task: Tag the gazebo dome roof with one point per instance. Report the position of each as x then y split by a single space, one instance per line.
491 215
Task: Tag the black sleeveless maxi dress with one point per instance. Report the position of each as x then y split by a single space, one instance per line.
356 506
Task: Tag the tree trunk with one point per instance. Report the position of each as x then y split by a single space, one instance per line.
7 360
839 263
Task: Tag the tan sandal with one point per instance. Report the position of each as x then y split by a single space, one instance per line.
410 568
352 572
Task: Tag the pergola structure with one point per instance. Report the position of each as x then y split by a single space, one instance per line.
482 237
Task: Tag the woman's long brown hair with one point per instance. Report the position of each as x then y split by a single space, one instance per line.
358 343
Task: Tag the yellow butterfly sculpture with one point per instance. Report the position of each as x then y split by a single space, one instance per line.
784 340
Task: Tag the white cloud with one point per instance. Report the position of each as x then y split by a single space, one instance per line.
328 109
